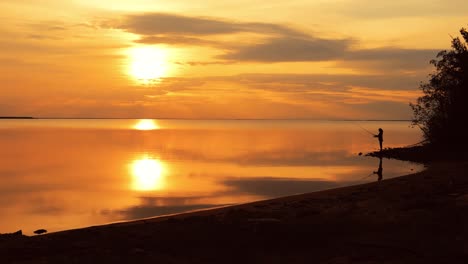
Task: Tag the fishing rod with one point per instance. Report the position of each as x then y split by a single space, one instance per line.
365 130
367 176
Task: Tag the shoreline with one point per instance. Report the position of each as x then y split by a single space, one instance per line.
416 218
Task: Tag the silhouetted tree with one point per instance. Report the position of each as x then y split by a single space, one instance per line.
442 112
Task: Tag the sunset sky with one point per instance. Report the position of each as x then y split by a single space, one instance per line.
319 59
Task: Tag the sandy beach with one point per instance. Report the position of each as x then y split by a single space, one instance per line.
418 218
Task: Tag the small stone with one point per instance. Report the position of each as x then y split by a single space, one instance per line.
40 231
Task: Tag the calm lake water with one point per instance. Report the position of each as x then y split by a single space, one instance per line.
59 174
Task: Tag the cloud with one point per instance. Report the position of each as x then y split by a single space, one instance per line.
390 58
49 26
42 37
330 82
391 53
53 29
163 23
287 49
176 40
330 96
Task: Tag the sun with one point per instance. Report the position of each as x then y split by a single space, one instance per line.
147 174
147 64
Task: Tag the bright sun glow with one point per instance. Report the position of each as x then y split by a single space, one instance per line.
146 124
147 174
147 64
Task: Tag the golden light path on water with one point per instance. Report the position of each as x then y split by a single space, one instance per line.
147 174
146 124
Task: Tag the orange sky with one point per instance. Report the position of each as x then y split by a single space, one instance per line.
321 59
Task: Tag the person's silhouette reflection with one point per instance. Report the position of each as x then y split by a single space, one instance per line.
379 171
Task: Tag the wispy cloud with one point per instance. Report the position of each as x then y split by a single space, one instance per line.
390 58
287 49
163 23
177 40
331 82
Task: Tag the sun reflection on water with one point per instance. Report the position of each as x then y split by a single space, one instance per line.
146 124
147 174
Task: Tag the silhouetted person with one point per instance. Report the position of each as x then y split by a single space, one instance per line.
380 136
379 171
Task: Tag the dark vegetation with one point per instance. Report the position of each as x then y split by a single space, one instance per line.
442 112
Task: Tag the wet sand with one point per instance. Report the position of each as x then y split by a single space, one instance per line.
419 218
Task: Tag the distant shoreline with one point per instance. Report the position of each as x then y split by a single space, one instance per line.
16 117
211 119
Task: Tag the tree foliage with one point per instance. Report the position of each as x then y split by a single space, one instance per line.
442 112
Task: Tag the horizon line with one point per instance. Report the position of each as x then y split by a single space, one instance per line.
206 119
